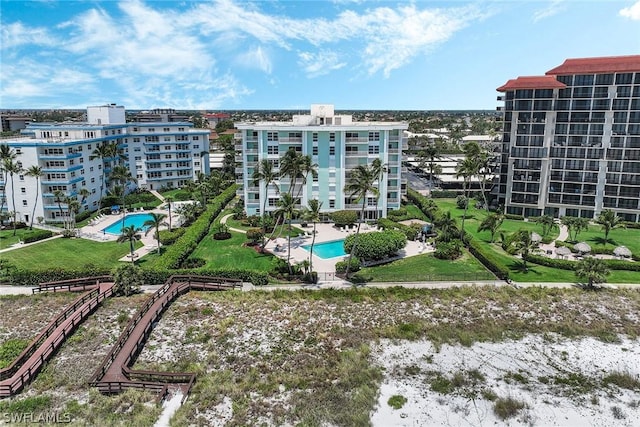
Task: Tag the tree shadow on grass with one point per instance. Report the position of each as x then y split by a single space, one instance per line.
600 241
518 267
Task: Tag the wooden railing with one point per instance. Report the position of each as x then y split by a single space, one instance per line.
175 286
12 384
71 284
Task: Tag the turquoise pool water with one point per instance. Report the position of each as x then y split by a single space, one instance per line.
132 219
327 249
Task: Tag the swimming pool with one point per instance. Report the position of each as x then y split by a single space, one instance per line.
327 249
132 219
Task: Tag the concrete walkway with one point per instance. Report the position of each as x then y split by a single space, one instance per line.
224 219
158 195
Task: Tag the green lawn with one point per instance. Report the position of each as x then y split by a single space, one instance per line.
69 253
7 238
629 237
427 268
231 254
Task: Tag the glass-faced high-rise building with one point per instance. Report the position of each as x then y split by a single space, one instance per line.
571 140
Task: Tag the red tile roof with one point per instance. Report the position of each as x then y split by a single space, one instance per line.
608 64
531 82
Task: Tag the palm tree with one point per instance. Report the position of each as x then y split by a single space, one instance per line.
593 269
84 193
428 157
155 222
307 167
12 168
59 197
523 244
313 214
492 223
447 226
290 166
73 208
608 220
35 171
122 175
580 224
169 200
359 184
265 173
379 169
465 169
570 223
130 234
287 208
548 224
6 154
101 152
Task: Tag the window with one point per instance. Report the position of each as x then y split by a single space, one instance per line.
315 151
374 136
93 180
604 79
272 149
272 136
166 129
196 147
332 204
624 78
332 151
332 137
374 149
196 138
152 129
315 136
23 190
24 203
21 177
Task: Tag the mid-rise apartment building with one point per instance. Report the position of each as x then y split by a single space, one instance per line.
158 155
571 140
337 145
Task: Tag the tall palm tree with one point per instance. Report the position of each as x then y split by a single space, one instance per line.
359 184
313 214
491 223
379 169
523 244
264 173
287 209
59 197
73 208
154 223
169 200
593 269
447 226
6 154
548 224
465 169
35 171
130 234
84 193
102 152
12 168
291 167
608 220
122 175
307 167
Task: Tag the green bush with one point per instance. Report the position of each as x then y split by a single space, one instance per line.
427 206
376 245
629 224
168 237
488 258
564 264
448 250
444 194
514 217
36 235
182 248
254 234
398 214
342 218
83 215
341 266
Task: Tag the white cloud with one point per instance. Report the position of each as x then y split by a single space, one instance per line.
16 34
256 58
555 7
320 63
632 12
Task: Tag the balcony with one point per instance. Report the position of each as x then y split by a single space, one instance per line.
290 140
360 139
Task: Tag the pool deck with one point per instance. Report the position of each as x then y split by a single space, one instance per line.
328 233
94 232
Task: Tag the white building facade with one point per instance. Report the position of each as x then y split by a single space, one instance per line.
337 145
158 155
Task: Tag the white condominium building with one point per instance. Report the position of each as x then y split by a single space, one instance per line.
571 140
336 145
158 155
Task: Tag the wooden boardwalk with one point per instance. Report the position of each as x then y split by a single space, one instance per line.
27 365
115 374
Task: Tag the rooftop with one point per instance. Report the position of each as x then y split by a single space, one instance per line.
607 64
531 82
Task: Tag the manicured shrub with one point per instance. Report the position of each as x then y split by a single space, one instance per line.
629 224
341 266
376 245
515 217
398 214
83 215
254 234
448 250
342 218
36 235
168 237
444 194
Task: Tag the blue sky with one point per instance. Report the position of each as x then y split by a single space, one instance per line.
355 54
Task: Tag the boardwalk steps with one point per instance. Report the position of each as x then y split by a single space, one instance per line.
115 375
27 365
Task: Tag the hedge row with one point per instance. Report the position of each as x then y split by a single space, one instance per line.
169 237
564 264
177 253
488 258
21 277
36 235
423 203
410 231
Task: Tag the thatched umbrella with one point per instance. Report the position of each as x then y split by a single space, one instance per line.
535 237
563 251
622 251
582 247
